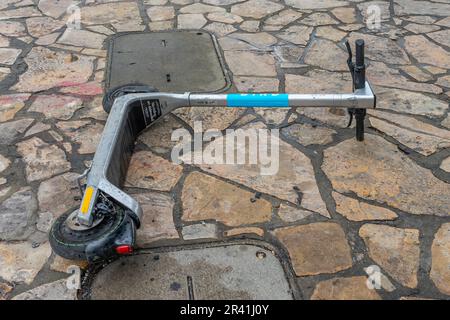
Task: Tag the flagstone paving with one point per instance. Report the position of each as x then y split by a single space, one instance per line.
335 208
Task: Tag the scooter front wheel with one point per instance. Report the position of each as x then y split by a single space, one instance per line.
97 242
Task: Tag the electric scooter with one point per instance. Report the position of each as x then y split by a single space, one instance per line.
105 225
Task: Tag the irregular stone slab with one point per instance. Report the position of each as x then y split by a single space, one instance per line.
158 136
224 17
91 88
420 28
326 55
420 19
160 13
210 118
291 214
427 52
346 15
48 69
444 22
380 49
445 165
56 106
41 26
201 8
60 264
352 288
260 40
241 231
417 73
20 262
295 174
307 134
222 2
12 130
315 4
272 115
355 210
256 9
150 171
5 289
377 170
283 17
12 29
199 231
208 198
9 55
42 160
405 7
191 21
409 102
50 291
330 33
64 188
324 248
11 104
82 38
157 219
419 136
382 75
82 132
161 25
255 84
155 2
24 12
319 19
442 37
440 272
47 40
220 29
396 250
244 63
111 13
4 163
54 8
289 53
17 215
444 81
250 25
296 34
4 41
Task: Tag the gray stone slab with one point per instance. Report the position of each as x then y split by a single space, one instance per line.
225 272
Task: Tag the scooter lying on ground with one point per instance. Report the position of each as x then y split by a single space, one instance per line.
105 224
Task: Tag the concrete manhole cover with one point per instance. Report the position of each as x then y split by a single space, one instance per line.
237 271
177 61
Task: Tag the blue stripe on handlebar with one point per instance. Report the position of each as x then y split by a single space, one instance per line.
257 100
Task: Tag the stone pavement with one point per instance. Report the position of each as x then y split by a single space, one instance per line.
335 208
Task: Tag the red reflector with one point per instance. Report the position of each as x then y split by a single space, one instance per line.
125 249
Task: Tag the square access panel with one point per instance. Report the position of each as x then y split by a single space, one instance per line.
176 61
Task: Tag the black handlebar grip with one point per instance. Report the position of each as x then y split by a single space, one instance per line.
360 68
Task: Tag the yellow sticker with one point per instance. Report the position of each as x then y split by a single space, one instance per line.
87 199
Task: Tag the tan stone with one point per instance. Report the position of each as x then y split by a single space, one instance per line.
224 17
47 69
57 290
377 170
318 19
56 106
54 8
307 134
346 15
330 33
444 81
272 115
291 214
60 264
326 55
445 165
82 38
208 198
9 56
417 135
315 4
323 248
396 250
157 220
11 104
12 29
191 21
42 160
295 174
201 8
220 29
256 9
260 39
420 28
149 171
240 231
283 17
82 132
352 288
13 129
41 26
25 12
296 34
111 13
158 136
64 188
20 262
4 163
250 25
427 52
255 84
440 256
419 7
243 63
160 13
210 117
417 73
355 210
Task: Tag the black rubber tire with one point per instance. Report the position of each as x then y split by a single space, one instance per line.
71 244
112 94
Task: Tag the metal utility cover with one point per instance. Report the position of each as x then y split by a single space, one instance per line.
177 61
224 272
